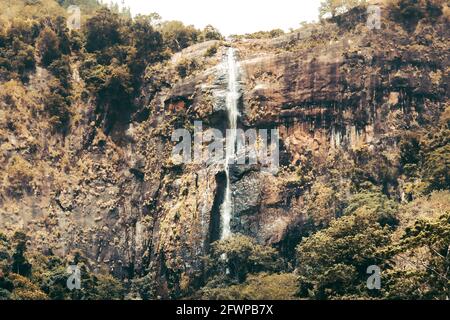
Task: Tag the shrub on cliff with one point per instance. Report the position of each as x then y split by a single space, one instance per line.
48 46
20 264
60 68
102 30
409 13
262 286
212 50
437 168
24 289
422 258
147 41
57 107
335 7
16 61
19 177
210 33
177 36
187 66
239 256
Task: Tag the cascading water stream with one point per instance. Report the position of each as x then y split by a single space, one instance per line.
232 99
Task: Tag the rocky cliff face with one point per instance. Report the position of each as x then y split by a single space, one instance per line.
339 93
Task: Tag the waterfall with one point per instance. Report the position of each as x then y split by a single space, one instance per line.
232 99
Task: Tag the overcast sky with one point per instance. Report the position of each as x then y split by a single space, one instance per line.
232 16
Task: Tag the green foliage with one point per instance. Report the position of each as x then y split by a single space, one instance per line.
20 264
240 256
323 205
437 168
261 34
17 51
411 12
24 289
144 288
333 262
211 33
19 177
335 7
262 286
147 41
57 109
410 150
422 254
108 288
32 276
117 56
212 50
48 46
187 66
177 36
61 70
102 30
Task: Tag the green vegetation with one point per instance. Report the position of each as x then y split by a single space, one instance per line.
333 262
238 266
261 34
335 7
25 276
383 202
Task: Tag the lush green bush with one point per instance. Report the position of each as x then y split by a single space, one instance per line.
177 36
56 106
16 60
239 256
48 46
437 168
261 286
186 66
210 33
333 262
102 30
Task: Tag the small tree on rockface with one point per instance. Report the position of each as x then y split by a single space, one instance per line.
335 7
240 256
48 46
211 33
20 264
177 36
102 30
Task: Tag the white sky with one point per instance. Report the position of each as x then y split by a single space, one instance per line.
232 16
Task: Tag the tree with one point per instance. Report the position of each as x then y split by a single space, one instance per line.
437 168
102 30
240 256
20 264
147 41
48 46
108 288
422 258
24 289
333 262
177 36
211 33
16 54
335 7
261 286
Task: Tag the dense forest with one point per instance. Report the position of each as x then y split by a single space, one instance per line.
74 104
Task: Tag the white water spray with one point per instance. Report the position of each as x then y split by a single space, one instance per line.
233 114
